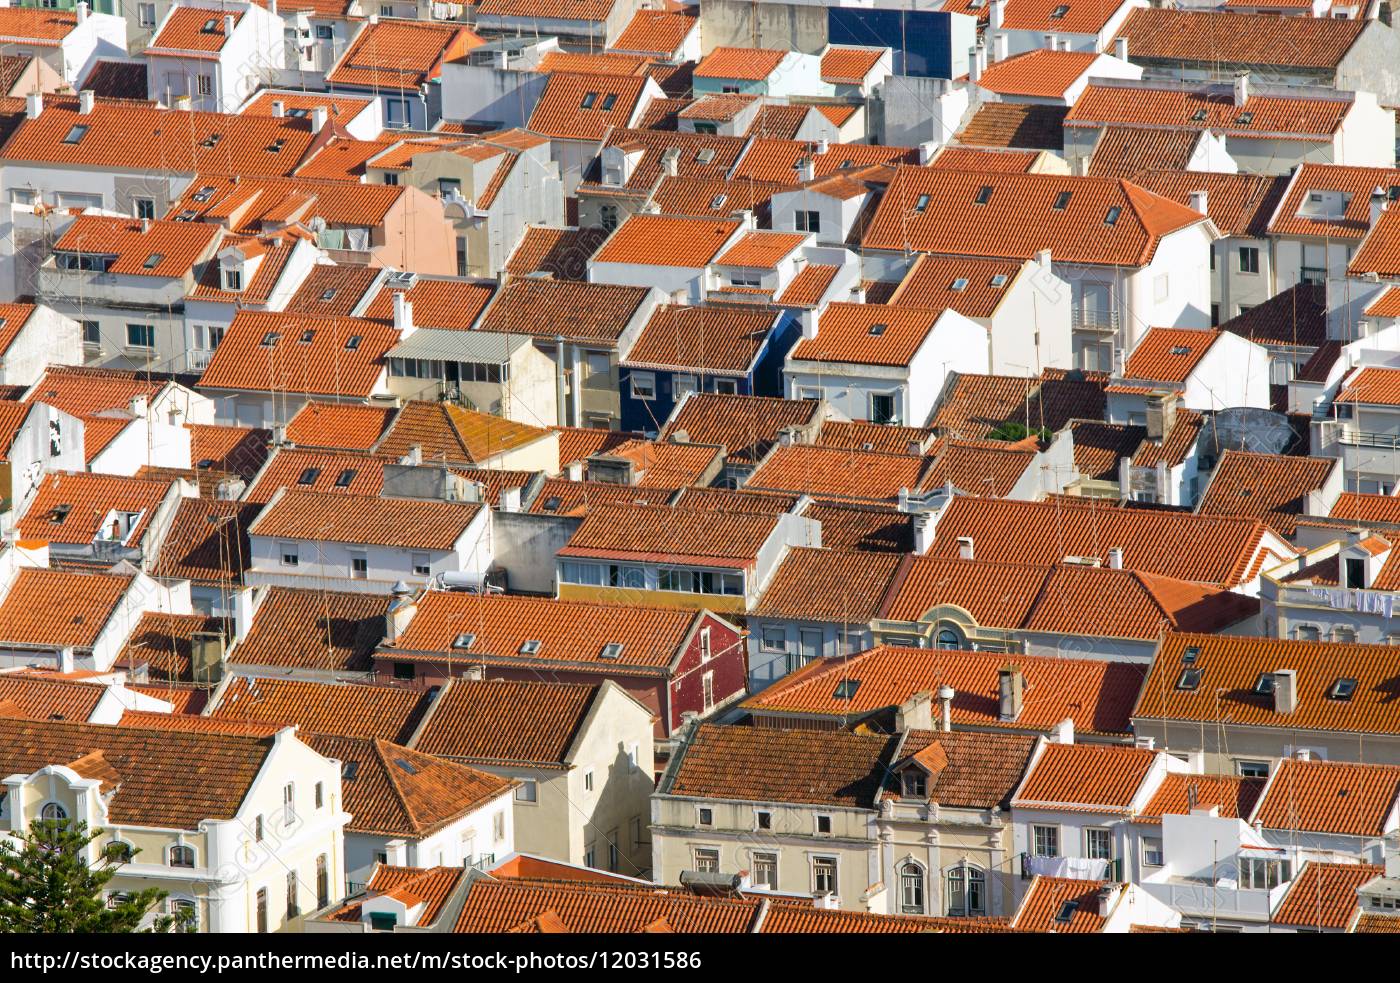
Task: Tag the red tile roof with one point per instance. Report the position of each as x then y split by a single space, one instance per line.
344 709
729 540
613 101
832 472
1085 777
1097 694
562 253
1380 250
1045 902
1169 354
1323 896
667 240
1336 797
504 722
345 518
1239 204
400 54
1040 72
749 64
207 542
57 609
1271 487
777 160
828 585
520 905
974 406
37 698
450 434
189 29
709 338
747 426
314 629
1020 125
270 352
1373 386
1213 108
933 282
849 66
656 32
72 507
1295 218
1238 39
868 334
1128 151
584 312
343 426
152 249
1178 794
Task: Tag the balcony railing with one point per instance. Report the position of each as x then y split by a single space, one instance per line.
1104 321
1362 438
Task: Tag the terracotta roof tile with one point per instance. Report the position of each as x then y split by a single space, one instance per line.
863 526
163 644
861 436
972 287
432 886
1380 250
828 585
1169 354
72 508
809 286
1021 125
157 249
1295 317
1197 109
1375 923
730 540
656 32
168 779
332 291
113 79
1097 694
506 721
708 338
1323 896
1041 73
1336 797
270 352
319 471
867 334
1294 217
342 426
747 426
559 496
1232 795
667 240
697 155
1085 777
1238 39
582 312
188 29
1366 508
613 101
596 908
398 792
343 709
1127 151
1239 204
562 253
314 629
240 450
1372 386
849 65
777 160
400 54
1106 222
973 406
1044 907
751 64
207 542
1231 667
832 472
450 434
345 518
565 10
35 698
578 443
1271 487
980 467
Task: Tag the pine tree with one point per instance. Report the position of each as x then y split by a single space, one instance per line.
47 885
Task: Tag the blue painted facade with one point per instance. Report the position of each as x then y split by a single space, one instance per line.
764 378
927 44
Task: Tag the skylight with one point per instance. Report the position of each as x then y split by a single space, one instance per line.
846 689
1181 349
153 260
612 650
589 100
464 641
530 646
1190 678
609 101
1199 116
1067 908
1244 118
309 476
1343 689
352 343
717 201
76 134
1112 217
1059 11
1062 200
307 335
984 194
1189 657
922 203
343 479
59 513
204 193
878 328
551 504
349 770
959 285
704 155
328 293
271 338
999 280
1264 685
406 766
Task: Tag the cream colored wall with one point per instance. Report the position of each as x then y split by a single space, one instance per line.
538 455
621 789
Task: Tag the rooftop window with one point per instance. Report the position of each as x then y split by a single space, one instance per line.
959 285
308 476
1062 200
1199 116
530 646
76 134
1066 913
984 194
204 193
1343 689
346 476
1059 11
1190 678
1244 118
352 343
609 101
1189 657
464 641
878 329
1264 685
1112 217
211 141
999 280
846 689
153 260
1181 349
588 100
921 204
270 339
612 650
328 293
307 336
59 513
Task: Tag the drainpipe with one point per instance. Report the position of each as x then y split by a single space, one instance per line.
561 413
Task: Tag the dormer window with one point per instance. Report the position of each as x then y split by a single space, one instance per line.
1264 685
1342 690
915 784
233 278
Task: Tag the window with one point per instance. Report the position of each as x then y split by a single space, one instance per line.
823 875
823 825
204 85
145 207
845 689
528 791
1067 911
359 566
323 881
705 816
262 909
948 638
182 856
233 278
1307 633
1252 769
643 385
707 686
727 387
808 221
914 784
1098 843
1045 841
1261 874
984 195
140 336
705 651
1344 635
258 829
292 908
449 187
612 851
92 333
1249 259
421 564
290 557
1062 201
382 921
146 14
763 819
706 860
1152 851
1160 288
773 640
911 889
53 812
76 134
882 408
405 670
118 852
289 812
1112 217
765 871
589 98
588 780
1190 678
319 797
966 891
1344 688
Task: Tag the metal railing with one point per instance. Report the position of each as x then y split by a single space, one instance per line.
1105 321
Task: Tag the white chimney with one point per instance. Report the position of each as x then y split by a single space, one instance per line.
1241 89
1200 202
242 613
1115 558
806 169
1042 258
1052 42
926 151
923 533
279 109
228 25
1379 203
574 471
318 119
403 313
974 65
1285 690
66 659
1001 46
86 99
996 15
915 713
1120 48
807 321
670 162
1063 732
510 500
945 702
981 58
966 548
33 105
373 19
82 11
1011 690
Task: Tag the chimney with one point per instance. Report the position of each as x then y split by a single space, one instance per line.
945 707
974 66
926 151
1200 202
82 10
915 713
1241 89
1379 201
1145 742
1107 898
1120 48
373 19
33 105
1011 688
1115 558
1001 47
996 15
242 613
279 109
86 98
574 471
145 225
1052 42
827 901
400 612
403 313
966 548
318 119
1285 690
670 161
138 405
1042 258
981 58
510 500
1161 415
1063 732
806 169
228 25
65 659
807 320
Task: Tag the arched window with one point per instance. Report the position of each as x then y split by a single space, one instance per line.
911 889
948 638
967 890
53 812
182 856
118 852
186 914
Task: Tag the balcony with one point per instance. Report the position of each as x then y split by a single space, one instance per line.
1362 438
1101 322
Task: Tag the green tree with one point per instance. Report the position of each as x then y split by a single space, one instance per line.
1012 431
47 885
